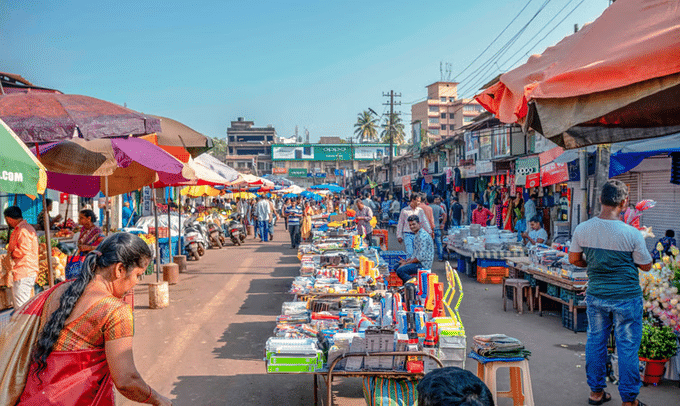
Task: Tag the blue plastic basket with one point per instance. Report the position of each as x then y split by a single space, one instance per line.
392 258
485 263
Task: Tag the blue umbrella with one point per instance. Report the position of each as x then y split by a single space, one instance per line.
290 196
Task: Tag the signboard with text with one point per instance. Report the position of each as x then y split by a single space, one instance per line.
553 173
297 172
279 171
484 167
525 167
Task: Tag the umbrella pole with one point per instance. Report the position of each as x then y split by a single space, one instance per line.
167 201
179 213
158 249
106 204
46 224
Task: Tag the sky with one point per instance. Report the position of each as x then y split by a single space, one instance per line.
314 64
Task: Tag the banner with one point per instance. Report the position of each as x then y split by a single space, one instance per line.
553 173
279 171
338 172
484 167
550 155
297 172
525 167
147 201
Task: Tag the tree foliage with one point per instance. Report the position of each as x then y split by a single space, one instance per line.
366 127
399 134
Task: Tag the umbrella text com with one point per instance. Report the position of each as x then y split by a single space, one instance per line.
12 176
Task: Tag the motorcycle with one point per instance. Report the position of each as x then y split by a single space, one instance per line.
194 243
216 235
237 231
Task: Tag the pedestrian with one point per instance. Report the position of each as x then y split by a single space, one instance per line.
85 347
422 203
127 214
293 215
363 219
306 225
404 235
22 250
456 212
612 251
253 217
667 241
537 234
52 220
439 221
263 210
497 213
530 207
395 208
273 217
481 215
423 251
453 386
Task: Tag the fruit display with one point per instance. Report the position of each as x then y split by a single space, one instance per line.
63 233
148 238
59 260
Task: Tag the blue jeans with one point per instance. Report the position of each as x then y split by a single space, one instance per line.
455 222
406 272
263 227
408 243
626 318
438 243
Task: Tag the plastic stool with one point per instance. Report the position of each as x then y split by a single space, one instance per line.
518 286
520 391
384 237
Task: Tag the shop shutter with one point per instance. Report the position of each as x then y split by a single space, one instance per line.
666 214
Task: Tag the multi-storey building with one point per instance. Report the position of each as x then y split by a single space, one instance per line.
443 113
249 148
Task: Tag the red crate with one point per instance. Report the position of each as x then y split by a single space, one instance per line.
162 231
491 274
393 280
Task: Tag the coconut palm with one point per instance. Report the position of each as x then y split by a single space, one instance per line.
398 134
366 127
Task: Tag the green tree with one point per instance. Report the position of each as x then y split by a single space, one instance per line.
399 135
220 148
366 127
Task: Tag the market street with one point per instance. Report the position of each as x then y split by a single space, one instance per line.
207 347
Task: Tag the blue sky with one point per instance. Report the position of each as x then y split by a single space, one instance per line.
315 64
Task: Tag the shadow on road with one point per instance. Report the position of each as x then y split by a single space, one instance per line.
244 341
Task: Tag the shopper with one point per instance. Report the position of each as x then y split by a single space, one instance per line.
263 210
612 251
128 215
456 212
395 207
293 216
481 215
530 207
40 223
667 241
453 386
85 347
439 221
422 203
536 234
23 252
423 251
404 235
363 219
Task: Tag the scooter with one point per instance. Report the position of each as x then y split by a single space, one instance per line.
216 235
204 237
194 245
237 232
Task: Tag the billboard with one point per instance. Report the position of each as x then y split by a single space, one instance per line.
333 153
416 133
330 152
370 152
292 152
297 172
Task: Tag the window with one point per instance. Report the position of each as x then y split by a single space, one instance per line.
434 132
308 151
452 99
467 120
433 121
443 115
443 99
452 116
472 108
443 127
452 127
434 109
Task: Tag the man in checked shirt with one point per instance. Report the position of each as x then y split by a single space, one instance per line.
404 234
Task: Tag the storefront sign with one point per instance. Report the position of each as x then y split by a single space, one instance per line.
484 167
339 172
471 144
553 173
279 171
533 180
468 171
333 153
525 167
320 175
550 155
297 172
147 201
370 152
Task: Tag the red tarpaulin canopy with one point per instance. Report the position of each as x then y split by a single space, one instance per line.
616 79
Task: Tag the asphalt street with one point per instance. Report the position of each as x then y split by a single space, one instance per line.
206 348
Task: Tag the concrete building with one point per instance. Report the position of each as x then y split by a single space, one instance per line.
443 113
249 147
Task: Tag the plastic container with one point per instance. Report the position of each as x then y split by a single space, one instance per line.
492 274
485 263
581 324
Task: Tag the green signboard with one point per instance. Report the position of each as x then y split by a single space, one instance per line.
333 153
297 172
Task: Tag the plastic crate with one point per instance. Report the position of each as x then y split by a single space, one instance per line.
553 290
393 280
567 295
392 258
530 278
581 324
486 263
164 248
461 266
492 274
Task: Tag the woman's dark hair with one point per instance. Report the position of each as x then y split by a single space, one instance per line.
124 248
89 214
613 193
453 386
670 233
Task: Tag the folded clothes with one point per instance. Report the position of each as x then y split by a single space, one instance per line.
499 346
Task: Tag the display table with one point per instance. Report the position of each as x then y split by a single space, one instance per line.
489 254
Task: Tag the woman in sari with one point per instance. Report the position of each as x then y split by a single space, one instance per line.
90 234
84 344
306 227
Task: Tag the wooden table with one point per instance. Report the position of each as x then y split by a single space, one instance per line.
490 254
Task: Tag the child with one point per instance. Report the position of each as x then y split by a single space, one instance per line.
666 242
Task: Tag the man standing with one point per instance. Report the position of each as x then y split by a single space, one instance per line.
23 250
428 211
530 207
612 251
128 214
456 212
293 214
481 215
263 210
274 215
395 207
363 219
423 251
404 235
439 221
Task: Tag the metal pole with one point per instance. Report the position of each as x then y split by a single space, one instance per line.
158 250
46 225
106 205
167 201
583 183
391 132
179 212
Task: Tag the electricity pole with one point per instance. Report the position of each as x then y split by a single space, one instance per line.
390 132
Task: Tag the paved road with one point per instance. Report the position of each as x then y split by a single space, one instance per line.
207 347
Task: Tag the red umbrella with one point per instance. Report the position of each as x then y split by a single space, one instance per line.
48 117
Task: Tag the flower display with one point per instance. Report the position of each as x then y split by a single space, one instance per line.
660 287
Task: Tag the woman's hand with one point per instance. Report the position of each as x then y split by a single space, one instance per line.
163 401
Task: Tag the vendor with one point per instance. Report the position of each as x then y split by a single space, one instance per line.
363 219
41 217
481 215
423 251
90 234
536 234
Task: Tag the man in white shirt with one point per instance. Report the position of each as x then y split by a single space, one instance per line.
404 234
536 234
263 210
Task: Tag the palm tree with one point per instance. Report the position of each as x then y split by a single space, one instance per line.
398 134
366 127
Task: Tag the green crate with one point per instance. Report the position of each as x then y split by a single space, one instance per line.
276 359
553 290
290 369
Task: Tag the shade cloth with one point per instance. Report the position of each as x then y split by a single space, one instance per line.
20 170
175 134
